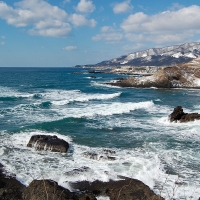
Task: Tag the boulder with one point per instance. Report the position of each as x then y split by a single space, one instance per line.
125 189
179 115
48 142
47 189
10 188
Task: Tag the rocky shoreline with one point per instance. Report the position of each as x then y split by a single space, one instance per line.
123 189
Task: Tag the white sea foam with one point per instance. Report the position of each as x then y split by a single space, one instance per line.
29 164
10 92
86 163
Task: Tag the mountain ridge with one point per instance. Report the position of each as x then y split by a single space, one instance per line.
164 56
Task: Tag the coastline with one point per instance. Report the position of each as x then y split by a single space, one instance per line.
124 189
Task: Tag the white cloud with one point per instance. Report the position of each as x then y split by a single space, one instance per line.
108 34
3 37
80 20
45 19
122 7
176 6
42 18
163 27
135 47
66 1
85 6
70 48
183 19
2 43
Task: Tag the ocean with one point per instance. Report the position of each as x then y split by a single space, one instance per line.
112 131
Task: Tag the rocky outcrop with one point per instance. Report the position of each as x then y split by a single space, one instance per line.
179 115
48 142
47 189
10 188
125 189
180 76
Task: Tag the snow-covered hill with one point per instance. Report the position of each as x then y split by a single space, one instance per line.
165 56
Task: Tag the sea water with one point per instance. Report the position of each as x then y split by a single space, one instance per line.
112 131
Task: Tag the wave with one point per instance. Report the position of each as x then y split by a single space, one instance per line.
86 163
7 93
63 97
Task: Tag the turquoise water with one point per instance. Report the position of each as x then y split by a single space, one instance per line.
131 123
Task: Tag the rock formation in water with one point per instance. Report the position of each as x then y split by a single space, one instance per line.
124 189
48 142
179 76
179 115
47 189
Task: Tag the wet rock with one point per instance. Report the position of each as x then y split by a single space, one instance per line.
103 155
47 189
179 115
10 188
48 142
126 189
78 171
180 76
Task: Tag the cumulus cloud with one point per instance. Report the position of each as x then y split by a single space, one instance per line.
2 43
185 18
85 6
42 18
122 7
70 48
80 20
45 19
162 27
108 34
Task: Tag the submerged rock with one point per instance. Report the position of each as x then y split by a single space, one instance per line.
48 142
47 189
126 189
179 115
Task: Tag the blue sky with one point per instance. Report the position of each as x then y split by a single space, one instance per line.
65 33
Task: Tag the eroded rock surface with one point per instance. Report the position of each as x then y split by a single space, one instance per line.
179 115
48 142
47 189
179 76
126 189
10 188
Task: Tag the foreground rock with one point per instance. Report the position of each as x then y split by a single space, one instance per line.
126 189
179 115
47 189
48 142
10 188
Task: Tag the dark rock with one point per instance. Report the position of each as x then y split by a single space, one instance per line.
176 114
95 72
179 115
10 188
47 189
126 189
78 171
47 142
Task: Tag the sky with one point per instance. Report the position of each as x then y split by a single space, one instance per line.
66 33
